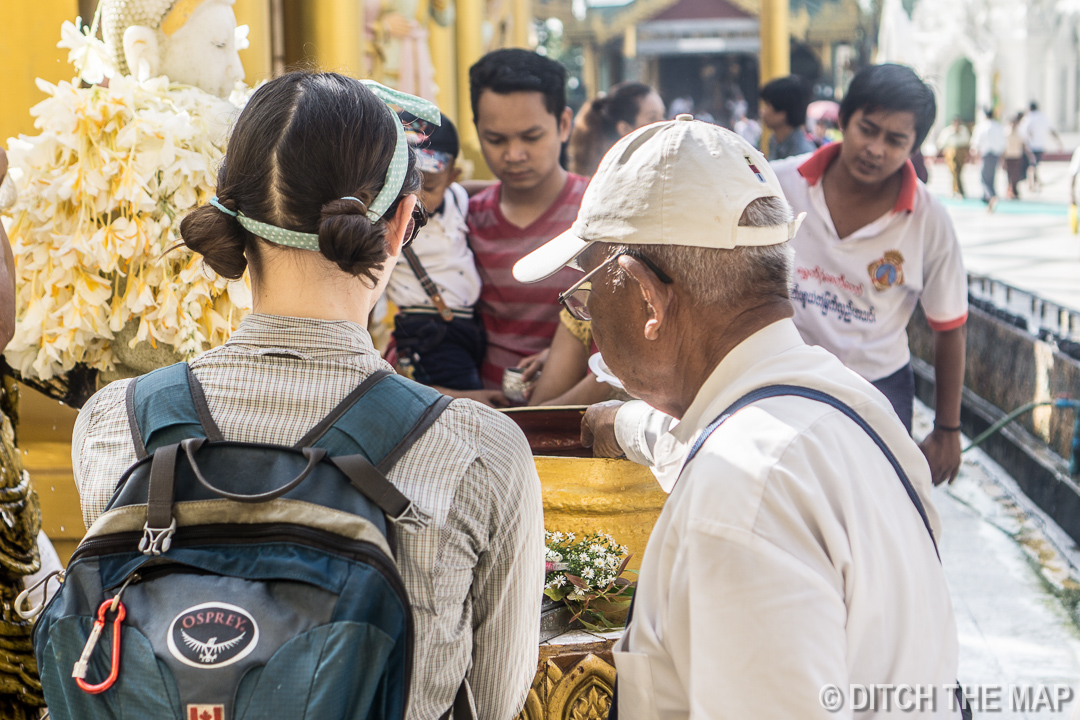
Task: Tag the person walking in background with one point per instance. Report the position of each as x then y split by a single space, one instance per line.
783 111
625 107
988 141
1037 129
1016 157
953 142
748 129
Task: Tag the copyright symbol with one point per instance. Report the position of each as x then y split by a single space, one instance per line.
831 698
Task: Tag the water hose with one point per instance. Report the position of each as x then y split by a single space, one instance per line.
1069 403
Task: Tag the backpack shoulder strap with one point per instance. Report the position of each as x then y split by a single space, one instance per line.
166 406
811 394
371 429
380 419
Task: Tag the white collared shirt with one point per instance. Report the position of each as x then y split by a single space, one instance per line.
788 556
854 296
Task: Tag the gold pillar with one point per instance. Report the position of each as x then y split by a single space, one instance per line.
521 19
256 15
590 70
629 43
27 52
441 43
775 48
470 46
335 38
775 40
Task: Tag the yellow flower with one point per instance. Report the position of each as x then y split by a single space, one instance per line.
101 190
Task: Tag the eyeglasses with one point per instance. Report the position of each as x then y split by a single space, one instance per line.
418 220
576 298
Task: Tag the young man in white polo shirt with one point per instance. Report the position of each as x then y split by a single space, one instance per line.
874 243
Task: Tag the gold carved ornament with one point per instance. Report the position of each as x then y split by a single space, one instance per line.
575 686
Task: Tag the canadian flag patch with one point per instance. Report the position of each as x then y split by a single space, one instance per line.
206 712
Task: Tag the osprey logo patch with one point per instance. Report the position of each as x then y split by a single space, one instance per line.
212 635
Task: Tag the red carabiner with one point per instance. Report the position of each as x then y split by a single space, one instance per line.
79 673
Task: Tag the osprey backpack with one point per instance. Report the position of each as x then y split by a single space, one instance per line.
236 581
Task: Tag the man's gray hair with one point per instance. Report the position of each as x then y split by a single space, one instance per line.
715 276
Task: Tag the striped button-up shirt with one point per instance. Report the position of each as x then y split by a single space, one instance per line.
474 575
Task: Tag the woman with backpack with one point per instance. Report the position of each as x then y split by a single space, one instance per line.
316 198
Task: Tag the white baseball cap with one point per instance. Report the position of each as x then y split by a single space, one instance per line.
680 182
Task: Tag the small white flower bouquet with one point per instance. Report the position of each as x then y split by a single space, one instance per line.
588 576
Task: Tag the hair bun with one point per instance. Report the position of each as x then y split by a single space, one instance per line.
348 238
218 237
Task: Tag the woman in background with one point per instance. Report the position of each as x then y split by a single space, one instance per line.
1016 157
623 109
566 379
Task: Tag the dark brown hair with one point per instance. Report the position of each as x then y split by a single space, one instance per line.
304 141
596 127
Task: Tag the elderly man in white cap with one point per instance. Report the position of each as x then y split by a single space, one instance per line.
795 556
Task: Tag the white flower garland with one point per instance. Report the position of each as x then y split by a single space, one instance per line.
100 195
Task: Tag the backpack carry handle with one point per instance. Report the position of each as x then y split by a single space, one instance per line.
191 446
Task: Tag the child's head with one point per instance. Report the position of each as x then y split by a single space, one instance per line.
437 149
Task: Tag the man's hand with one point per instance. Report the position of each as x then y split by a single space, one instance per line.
532 365
942 451
598 429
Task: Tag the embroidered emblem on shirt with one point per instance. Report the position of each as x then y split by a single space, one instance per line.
754 168
887 271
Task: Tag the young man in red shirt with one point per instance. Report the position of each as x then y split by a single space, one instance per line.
519 106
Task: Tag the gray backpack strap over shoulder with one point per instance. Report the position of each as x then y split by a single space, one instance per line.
177 410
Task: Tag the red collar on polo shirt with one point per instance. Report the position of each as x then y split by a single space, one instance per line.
814 168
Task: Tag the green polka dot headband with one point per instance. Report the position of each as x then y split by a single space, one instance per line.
395 173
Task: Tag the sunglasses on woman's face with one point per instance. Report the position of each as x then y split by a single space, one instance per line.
418 220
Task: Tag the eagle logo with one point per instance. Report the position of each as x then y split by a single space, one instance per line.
209 650
212 635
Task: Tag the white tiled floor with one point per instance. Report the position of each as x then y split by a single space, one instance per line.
1013 629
